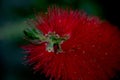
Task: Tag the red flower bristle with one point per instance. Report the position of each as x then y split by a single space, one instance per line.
91 51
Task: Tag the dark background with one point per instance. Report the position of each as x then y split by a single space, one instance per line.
14 13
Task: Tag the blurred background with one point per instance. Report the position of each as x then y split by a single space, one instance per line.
14 13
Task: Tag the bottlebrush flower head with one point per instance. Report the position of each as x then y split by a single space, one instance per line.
70 45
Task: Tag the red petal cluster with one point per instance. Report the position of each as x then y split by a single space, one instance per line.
92 51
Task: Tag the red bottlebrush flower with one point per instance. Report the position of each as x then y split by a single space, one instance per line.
69 45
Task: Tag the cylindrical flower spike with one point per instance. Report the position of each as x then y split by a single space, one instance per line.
73 46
